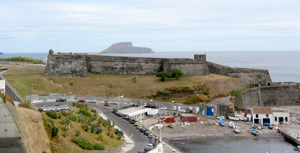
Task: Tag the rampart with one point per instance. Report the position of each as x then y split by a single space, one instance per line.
79 65
279 95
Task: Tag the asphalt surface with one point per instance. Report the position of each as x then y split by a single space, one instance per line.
141 141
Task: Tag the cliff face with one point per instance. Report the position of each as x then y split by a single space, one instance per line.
126 47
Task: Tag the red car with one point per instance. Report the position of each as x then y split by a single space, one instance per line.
81 100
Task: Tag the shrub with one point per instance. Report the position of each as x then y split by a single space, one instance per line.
100 137
77 133
99 130
237 91
71 83
40 109
64 134
54 131
83 143
176 73
163 76
111 85
93 110
98 146
73 118
93 128
165 92
84 112
52 114
134 79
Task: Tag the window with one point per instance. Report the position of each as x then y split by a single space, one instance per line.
267 115
286 119
256 115
276 119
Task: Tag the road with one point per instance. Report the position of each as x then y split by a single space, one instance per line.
141 141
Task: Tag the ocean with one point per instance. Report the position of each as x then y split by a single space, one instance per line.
283 66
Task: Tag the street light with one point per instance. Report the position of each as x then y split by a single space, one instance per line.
31 90
173 104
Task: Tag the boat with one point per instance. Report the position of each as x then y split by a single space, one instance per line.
233 118
231 124
237 129
254 131
170 125
222 122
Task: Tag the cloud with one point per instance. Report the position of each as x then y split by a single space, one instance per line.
161 25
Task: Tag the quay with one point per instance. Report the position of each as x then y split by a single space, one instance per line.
290 132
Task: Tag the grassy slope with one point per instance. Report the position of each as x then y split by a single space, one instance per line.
113 85
64 144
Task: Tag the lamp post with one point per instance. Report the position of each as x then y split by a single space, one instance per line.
31 91
173 104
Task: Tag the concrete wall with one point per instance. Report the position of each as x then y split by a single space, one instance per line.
246 76
269 96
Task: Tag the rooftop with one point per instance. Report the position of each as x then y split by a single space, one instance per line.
261 110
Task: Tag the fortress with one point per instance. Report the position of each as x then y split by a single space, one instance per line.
79 65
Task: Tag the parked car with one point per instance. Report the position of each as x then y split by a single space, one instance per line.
4 68
147 133
115 110
61 100
151 145
126 117
81 101
147 148
268 125
139 126
132 121
92 101
163 108
151 135
142 151
143 130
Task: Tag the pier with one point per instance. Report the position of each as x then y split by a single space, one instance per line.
291 133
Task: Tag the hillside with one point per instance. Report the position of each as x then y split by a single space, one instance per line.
144 87
126 47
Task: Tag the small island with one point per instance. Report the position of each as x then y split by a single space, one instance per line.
126 47
1 53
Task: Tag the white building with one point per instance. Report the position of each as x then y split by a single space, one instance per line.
281 117
138 113
261 115
2 86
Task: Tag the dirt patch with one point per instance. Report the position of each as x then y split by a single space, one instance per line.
36 140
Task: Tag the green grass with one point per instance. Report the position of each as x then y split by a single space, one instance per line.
23 80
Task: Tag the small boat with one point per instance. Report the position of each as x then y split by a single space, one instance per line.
231 124
233 118
222 122
254 131
170 125
237 130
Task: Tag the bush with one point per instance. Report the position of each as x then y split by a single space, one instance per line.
23 59
111 85
237 91
78 133
52 114
84 112
93 110
99 130
176 73
134 79
100 137
40 109
73 118
98 146
25 105
64 134
83 143
163 76
165 92
54 131
71 83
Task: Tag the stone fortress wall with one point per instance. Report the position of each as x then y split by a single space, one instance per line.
79 65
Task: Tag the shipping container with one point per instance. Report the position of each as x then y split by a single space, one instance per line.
168 119
188 118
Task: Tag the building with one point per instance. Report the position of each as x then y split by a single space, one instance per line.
281 117
218 107
138 113
261 115
2 86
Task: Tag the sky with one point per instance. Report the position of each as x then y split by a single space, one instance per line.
163 25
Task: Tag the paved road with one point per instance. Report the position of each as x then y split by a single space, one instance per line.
141 141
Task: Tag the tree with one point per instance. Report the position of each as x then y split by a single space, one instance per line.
163 76
176 73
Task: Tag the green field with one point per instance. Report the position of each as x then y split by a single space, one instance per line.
146 86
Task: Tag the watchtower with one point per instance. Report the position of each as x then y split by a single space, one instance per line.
200 57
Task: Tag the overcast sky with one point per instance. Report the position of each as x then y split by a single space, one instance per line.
163 25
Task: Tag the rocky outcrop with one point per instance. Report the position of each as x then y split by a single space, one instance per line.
126 47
